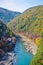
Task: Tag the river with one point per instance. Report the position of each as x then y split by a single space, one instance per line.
22 56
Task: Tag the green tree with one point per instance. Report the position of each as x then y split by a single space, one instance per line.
38 58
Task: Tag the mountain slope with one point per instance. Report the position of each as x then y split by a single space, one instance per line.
30 21
7 15
4 31
7 42
38 58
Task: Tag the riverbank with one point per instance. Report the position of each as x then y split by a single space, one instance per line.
29 44
22 56
9 58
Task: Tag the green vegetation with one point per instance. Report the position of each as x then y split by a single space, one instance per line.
7 40
30 21
38 58
4 30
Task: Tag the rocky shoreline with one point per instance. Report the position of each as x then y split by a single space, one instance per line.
30 47
9 59
29 44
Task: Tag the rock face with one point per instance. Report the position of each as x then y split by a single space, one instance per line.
7 16
9 59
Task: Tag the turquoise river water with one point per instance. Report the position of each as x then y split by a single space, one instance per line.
22 56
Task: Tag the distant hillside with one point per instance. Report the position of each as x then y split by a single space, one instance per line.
30 21
7 15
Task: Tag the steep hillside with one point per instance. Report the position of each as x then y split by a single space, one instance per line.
7 15
7 42
30 21
4 31
38 58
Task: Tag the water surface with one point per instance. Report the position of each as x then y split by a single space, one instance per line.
22 56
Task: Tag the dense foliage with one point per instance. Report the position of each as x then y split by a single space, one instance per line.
4 30
30 21
7 40
38 58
